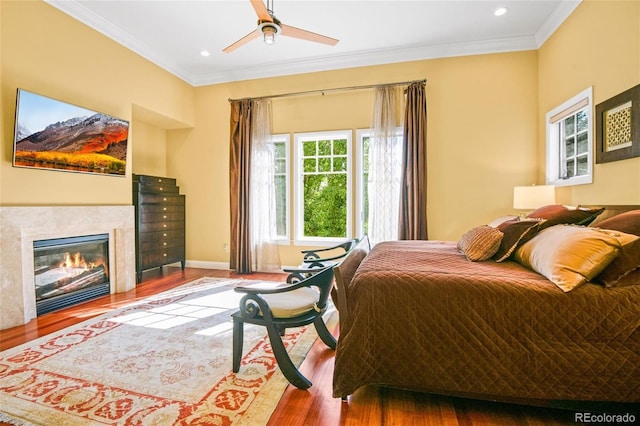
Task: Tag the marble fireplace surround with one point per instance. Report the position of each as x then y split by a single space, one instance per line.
21 226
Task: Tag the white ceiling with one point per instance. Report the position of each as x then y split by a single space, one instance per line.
171 33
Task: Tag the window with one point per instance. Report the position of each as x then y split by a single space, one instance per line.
570 142
281 176
323 185
390 184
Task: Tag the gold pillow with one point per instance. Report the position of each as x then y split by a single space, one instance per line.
480 243
570 255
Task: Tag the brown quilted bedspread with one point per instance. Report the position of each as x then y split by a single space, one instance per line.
423 317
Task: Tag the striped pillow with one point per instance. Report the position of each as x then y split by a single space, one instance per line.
480 243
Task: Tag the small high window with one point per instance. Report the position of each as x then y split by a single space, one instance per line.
570 141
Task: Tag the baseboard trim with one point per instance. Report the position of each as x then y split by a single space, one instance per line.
207 265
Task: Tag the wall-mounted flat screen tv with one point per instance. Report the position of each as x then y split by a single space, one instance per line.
55 135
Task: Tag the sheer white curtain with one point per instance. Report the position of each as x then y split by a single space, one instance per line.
264 251
385 165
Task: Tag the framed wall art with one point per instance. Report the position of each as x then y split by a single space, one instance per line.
55 135
618 127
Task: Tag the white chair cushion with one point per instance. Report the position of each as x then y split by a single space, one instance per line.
292 303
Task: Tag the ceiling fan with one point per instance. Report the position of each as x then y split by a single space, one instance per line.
269 26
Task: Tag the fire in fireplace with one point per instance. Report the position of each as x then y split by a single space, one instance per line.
69 271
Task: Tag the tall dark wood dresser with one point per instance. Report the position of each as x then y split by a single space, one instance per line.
160 223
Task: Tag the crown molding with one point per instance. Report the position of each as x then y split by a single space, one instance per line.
559 15
360 59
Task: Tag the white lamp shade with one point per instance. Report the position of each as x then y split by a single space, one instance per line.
534 196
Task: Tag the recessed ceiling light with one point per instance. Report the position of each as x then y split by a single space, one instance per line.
501 11
204 53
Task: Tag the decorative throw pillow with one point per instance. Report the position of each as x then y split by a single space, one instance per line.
516 232
555 214
625 269
570 255
627 222
480 243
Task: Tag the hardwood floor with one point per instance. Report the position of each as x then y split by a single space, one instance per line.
370 405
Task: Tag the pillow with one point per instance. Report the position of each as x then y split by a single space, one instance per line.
555 214
625 269
516 232
570 255
480 243
628 222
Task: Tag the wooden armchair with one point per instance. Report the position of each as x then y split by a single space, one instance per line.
279 308
314 260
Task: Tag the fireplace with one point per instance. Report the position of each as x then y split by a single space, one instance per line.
22 226
71 270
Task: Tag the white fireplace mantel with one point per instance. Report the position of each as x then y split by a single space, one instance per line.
21 226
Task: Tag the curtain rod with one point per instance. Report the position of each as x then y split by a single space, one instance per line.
336 89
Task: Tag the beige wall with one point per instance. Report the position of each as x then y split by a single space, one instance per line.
47 52
481 138
599 46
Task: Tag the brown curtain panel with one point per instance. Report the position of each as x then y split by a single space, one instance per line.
239 175
413 190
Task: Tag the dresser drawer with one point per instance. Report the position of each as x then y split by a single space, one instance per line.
160 235
164 199
146 217
160 226
160 240
155 187
161 257
159 209
158 180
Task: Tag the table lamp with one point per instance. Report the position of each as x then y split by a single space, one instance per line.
531 197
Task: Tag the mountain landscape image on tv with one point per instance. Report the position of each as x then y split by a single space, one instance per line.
51 134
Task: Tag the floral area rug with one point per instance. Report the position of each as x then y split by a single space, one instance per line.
165 360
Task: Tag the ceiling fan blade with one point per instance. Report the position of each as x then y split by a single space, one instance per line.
288 30
244 40
261 10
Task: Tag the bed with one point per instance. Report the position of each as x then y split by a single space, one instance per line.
422 316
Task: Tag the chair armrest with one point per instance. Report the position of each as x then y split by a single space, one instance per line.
307 282
313 253
270 290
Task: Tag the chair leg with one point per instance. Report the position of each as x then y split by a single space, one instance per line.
324 333
284 362
238 338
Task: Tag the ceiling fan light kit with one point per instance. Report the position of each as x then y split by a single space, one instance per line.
269 26
269 31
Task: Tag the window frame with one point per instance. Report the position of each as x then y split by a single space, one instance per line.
361 134
286 139
298 215
583 101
